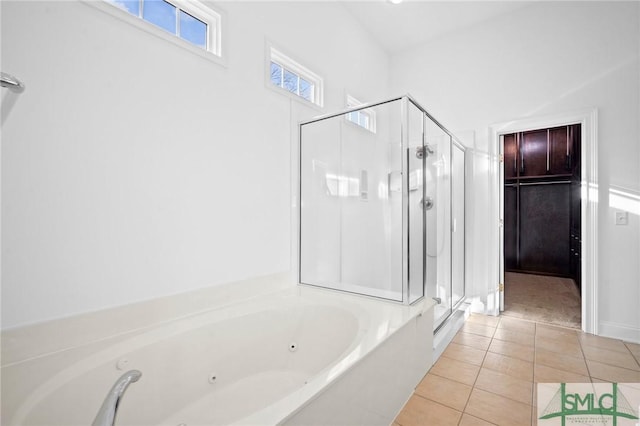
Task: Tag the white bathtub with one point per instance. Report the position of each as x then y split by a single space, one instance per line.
299 356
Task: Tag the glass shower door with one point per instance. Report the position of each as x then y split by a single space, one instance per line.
415 204
458 287
438 218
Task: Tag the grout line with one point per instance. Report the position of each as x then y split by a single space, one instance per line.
464 410
633 356
637 358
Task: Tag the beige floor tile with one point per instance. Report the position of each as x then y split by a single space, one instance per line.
481 329
419 411
587 339
520 326
459 371
444 391
505 385
610 373
514 350
474 340
556 333
488 320
607 356
464 353
569 348
507 365
514 336
545 374
561 362
634 348
498 409
469 420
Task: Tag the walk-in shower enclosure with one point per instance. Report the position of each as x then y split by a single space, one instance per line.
382 205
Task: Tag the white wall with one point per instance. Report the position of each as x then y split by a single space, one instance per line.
133 168
547 58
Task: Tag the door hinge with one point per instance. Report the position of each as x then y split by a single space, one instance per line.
501 287
502 158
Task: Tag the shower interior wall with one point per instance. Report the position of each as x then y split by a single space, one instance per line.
354 232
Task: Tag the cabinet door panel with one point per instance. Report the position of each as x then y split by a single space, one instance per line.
510 156
559 151
544 228
533 153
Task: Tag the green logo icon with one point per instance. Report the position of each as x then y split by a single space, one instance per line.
590 406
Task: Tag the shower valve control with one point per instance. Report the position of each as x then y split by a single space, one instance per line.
421 151
426 203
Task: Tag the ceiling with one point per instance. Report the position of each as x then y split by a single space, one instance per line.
401 26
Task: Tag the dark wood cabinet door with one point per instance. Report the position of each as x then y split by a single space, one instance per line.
510 157
559 151
533 153
544 228
510 230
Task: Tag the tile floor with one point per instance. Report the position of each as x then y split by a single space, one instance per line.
487 374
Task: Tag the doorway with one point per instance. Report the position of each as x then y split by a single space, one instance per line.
542 224
587 269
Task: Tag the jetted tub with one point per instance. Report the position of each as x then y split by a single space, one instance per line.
299 356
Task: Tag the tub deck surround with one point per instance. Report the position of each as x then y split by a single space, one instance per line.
30 341
260 361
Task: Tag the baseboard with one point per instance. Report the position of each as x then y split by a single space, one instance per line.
619 331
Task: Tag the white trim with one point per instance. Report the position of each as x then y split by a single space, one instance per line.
209 16
501 221
276 54
217 33
589 200
354 103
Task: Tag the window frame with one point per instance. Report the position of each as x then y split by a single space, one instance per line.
214 18
352 102
285 61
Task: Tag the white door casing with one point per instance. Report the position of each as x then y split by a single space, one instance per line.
589 203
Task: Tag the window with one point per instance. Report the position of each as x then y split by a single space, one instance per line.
189 20
365 118
289 75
